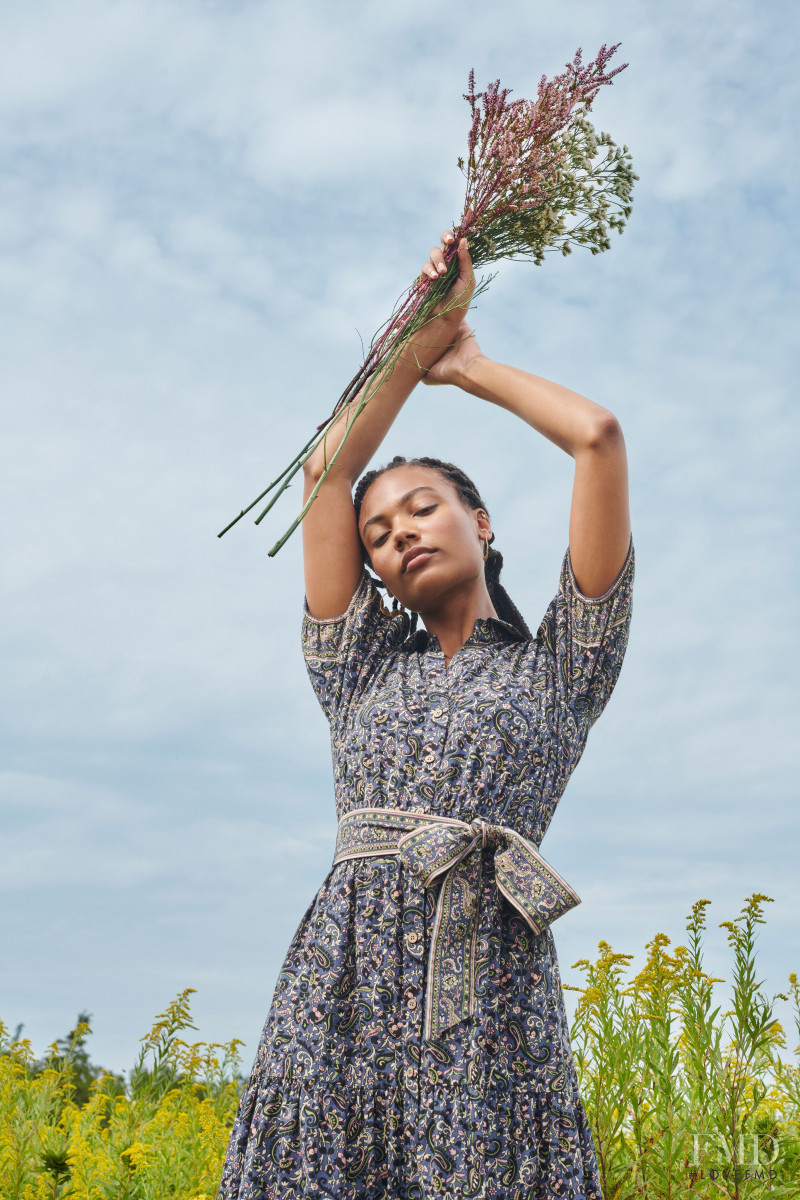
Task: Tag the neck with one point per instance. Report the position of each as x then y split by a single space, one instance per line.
453 619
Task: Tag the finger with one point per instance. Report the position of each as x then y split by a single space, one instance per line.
429 270
436 265
437 259
466 273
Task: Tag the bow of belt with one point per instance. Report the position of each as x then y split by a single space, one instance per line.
430 847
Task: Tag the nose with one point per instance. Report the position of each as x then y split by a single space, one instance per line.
403 535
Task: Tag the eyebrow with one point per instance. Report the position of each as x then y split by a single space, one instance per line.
403 500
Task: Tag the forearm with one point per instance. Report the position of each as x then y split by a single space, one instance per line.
568 419
366 432
599 524
354 440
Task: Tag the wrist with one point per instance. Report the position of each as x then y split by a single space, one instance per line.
471 374
415 360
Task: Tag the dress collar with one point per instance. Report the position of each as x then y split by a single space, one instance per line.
487 630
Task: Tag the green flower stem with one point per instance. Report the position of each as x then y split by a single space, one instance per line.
299 462
286 484
266 491
351 422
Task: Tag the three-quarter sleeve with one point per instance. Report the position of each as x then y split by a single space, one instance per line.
342 654
587 638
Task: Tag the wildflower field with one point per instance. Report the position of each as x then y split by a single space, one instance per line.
685 1099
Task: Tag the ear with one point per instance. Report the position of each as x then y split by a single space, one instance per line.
483 523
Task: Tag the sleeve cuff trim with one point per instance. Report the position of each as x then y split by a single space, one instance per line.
357 594
614 585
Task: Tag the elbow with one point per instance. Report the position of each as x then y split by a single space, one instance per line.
604 433
314 467
312 470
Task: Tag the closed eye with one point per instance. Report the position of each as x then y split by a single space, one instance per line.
421 512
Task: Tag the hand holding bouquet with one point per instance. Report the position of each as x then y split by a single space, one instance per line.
461 348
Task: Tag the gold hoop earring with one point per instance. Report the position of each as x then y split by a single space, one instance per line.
485 549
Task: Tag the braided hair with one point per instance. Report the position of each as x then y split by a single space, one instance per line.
469 495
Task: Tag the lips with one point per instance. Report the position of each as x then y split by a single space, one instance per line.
416 557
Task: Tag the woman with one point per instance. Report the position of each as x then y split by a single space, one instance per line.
417 1044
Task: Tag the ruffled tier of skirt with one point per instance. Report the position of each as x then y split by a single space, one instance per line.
409 1140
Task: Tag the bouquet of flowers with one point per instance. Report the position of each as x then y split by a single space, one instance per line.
539 179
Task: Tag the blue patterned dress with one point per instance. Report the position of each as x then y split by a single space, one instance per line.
346 1098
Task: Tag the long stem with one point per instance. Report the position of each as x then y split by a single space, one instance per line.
274 483
360 408
287 483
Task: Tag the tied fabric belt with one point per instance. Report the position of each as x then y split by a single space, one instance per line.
429 847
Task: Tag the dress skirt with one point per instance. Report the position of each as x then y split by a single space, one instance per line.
347 1100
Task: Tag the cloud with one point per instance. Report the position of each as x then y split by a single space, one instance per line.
202 206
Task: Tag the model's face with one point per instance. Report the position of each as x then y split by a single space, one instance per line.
423 542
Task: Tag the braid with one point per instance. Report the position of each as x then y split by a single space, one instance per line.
504 606
469 495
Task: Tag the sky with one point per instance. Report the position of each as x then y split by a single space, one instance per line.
204 207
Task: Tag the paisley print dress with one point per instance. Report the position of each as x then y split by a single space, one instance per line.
347 1098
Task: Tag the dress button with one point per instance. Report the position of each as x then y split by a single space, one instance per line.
413 938
411 1003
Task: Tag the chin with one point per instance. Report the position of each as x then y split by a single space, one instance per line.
435 587
422 597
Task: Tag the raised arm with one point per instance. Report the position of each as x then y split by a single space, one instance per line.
599 524
331 544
